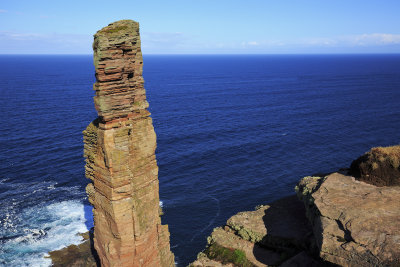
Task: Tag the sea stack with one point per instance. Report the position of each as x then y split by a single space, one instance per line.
119 147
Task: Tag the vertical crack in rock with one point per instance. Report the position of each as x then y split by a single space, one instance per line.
119 147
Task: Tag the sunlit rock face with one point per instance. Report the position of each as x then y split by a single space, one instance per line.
338 221
354 223
119 147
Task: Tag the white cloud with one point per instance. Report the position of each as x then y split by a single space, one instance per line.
20 36
357 43
35 43
3 11
318 41
180 43
365 40
253 43
262 44
374 39
155 39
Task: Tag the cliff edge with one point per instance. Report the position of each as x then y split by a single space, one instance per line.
335 220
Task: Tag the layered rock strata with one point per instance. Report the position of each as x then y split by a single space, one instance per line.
119 147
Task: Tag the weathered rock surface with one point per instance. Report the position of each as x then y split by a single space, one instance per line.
120 156
204 261
380 166
350 223
269 236
354 223
76 255
281 224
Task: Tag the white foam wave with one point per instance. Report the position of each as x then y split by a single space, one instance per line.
45 229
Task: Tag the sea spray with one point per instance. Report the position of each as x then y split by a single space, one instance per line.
43 229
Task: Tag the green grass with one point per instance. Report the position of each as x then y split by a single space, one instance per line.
227 255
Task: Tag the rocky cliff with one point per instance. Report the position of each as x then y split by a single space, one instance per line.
119 147
335 220
277 234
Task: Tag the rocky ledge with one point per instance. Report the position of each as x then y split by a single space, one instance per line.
354 223
335 220
79 255
268 236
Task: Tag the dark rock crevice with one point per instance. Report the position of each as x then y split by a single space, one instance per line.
346 232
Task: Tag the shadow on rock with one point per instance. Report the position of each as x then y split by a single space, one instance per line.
289 233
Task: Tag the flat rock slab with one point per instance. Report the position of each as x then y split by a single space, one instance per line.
81 255
255 254
206 262
282 223
354 223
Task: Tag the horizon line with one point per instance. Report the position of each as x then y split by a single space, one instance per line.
210 54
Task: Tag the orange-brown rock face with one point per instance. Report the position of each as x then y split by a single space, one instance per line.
120 156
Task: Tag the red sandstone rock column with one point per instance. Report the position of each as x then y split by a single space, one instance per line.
120 156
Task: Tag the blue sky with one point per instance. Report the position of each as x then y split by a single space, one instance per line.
205 26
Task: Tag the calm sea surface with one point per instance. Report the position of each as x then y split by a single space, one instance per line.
233 132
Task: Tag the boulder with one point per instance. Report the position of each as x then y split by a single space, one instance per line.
354 223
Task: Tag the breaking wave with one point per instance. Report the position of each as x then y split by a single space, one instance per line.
40 230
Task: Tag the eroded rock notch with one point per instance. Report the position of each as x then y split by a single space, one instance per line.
119 147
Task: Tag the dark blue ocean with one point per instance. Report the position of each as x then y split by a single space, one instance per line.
233 132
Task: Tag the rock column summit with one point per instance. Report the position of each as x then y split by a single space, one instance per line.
119 147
